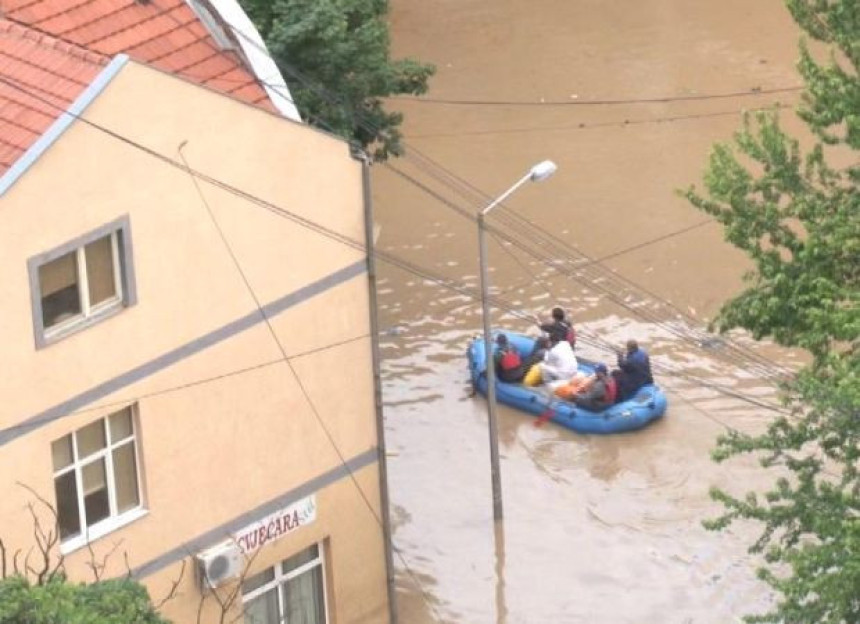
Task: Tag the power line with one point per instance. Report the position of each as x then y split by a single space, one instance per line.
542 239
600 124
665 99
453 181
389 258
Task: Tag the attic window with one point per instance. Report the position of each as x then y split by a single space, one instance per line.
212 24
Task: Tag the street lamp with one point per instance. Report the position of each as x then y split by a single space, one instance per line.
538 173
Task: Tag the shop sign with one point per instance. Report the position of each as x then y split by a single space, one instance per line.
276 525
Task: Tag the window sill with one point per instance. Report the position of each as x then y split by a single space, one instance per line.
101 529
79 323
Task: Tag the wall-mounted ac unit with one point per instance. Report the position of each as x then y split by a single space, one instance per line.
219 565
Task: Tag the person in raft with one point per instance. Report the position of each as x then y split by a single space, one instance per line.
559 363
635 366
558 327
600 393
509 364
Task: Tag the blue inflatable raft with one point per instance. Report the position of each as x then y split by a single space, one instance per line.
648 404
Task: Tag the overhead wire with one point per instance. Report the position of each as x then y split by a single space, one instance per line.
455 182
296 377
552 262
306 223
591 261
321 230
576 101
584 125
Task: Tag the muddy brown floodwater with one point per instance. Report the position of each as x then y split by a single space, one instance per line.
597 529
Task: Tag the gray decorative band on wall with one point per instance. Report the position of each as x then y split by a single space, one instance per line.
180 353
224 531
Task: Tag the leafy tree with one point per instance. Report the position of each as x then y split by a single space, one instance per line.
59 602
797 215
342 46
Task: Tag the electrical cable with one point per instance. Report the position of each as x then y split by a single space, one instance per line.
600 124
389 258
552 263
324 93
665 99
296 377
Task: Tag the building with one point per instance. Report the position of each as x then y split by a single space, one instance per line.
188 337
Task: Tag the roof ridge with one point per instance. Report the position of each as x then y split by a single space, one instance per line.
26 31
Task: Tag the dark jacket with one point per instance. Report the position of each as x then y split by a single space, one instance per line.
637 367
557 330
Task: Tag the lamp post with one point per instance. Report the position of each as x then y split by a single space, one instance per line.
539 172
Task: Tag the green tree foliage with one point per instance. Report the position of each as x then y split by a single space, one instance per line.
341 46
797 215
59 602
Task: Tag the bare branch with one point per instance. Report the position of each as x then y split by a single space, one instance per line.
2 559
27 569
39 498
128 573
173 587
46 540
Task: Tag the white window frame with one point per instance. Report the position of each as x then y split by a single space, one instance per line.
114 520
280 579
124 283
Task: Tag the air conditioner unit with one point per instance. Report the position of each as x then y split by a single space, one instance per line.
219 564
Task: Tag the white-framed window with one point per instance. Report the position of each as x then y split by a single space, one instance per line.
292 592
81 282
97 478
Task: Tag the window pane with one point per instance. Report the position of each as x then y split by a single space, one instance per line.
120 425
90 439
125 478
96 502
258 580
100 270
300 559
58 282
61 452
67 505
263 609
303 598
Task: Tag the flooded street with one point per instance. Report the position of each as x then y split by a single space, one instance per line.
597 529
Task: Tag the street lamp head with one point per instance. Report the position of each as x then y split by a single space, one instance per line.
542 171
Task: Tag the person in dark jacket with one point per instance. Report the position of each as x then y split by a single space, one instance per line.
558 328
636 366
509 364
623 384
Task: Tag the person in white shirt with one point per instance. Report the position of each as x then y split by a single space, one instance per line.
559 362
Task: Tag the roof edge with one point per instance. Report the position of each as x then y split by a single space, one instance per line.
261 64
62 123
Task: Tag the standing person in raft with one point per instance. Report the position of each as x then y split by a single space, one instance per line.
558 328
509 364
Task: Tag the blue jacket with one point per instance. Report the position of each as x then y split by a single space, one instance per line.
637 365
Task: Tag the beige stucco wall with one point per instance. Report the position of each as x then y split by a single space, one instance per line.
212 450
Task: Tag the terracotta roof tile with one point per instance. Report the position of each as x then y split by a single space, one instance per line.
166 34
40 76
